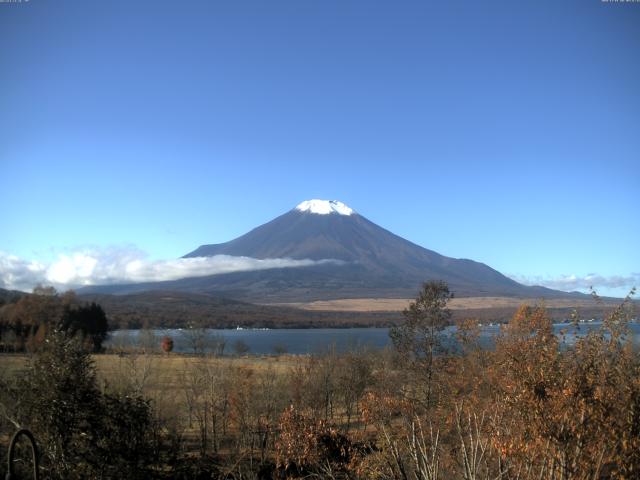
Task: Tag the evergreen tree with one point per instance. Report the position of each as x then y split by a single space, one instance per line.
89 321
82 432
60 403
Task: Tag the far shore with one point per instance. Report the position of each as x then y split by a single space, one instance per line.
398 304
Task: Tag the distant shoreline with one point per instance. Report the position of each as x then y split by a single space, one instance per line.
463 303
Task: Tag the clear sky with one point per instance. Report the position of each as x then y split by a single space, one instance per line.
503 131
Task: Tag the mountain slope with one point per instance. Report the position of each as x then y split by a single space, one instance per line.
368 262
376 261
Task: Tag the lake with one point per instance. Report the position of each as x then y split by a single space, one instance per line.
307 341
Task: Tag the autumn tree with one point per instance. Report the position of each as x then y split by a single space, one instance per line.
567 413
166 344
354 376
32 316
311 448
196 338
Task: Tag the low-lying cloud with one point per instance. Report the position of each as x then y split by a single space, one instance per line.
126 265
582 283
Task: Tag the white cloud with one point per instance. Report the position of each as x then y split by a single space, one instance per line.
583 283
16 273
126 265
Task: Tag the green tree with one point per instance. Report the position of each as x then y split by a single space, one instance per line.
60 403
82 432
125 447
418 339
89 321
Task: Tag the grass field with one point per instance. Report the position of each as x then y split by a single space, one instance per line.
398 304
177 385
164 370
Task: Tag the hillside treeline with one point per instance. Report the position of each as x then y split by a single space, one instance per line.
26 320
180 310
527 410
157 309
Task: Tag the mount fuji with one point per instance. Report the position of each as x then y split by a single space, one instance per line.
352 257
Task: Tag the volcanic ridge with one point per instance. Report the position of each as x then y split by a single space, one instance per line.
352 258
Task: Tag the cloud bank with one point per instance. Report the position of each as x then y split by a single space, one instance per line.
583 283
126 265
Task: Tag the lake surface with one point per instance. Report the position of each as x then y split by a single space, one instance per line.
307 341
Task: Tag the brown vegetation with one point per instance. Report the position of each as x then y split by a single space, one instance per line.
182 310
26 322
495 309
528 409
463 303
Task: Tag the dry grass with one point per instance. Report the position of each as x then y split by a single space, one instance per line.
398 304
166 379
163 371
11 363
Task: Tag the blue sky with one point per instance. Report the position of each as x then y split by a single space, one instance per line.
506 132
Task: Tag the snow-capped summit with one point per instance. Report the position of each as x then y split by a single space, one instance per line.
337 254
324 207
